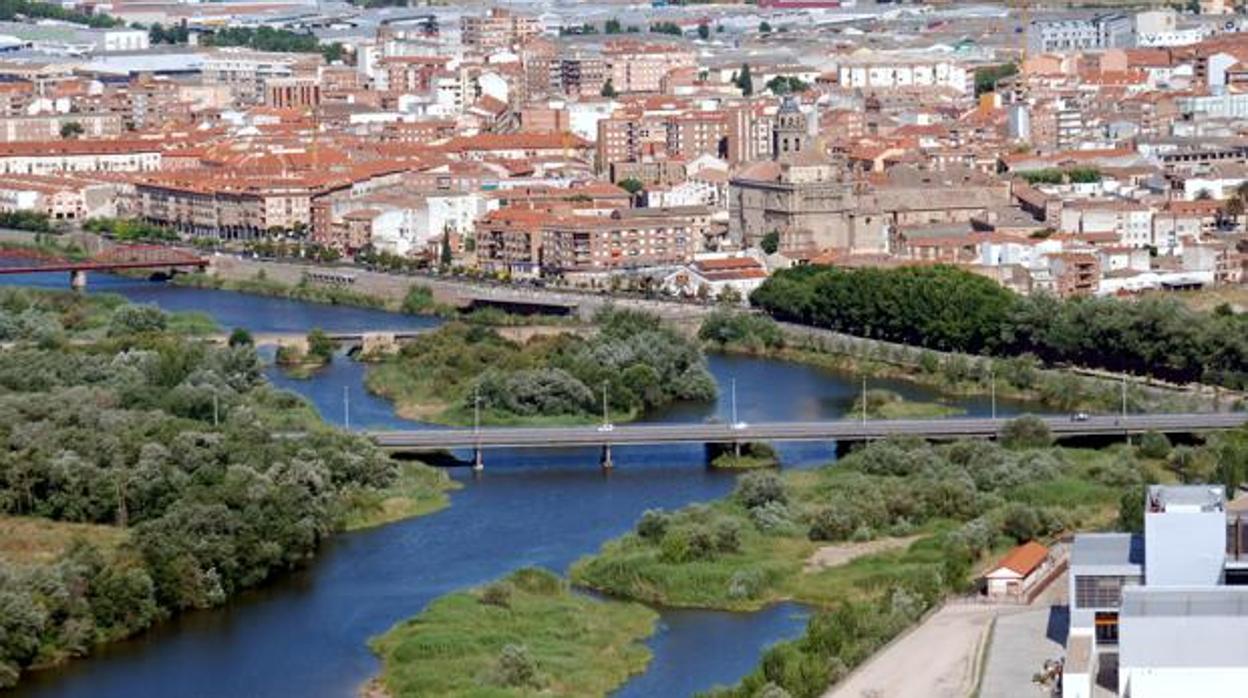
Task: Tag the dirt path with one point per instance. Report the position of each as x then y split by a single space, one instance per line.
837 555
936 660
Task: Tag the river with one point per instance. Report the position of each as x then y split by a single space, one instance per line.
305 634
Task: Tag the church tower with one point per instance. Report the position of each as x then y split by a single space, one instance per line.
788 136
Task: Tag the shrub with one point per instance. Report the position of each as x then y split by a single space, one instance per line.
772 517
653 524
1028 431
745 584
758 488
320 346
240 338
136 319
497 594
832 523
536 580
516 668
1154 444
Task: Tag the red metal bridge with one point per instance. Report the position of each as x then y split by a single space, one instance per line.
115 258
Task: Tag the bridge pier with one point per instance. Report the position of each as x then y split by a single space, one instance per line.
605 460
78 279
478 459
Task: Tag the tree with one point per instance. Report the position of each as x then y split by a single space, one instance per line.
1028 431
744 81
608 89
1154 444
612 26
240 338
446 257
704 32
1131 510
764 27
1204 195
770 242
320 346
71 129
729 295
633 186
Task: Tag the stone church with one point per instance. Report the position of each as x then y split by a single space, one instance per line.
802 194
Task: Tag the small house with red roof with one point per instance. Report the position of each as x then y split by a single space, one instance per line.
1015 577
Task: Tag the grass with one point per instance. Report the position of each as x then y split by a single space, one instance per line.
419 490
330 295
770 566
192 323
578 646
886 404
35 541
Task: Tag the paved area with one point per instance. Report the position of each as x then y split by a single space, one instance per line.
936 660
1021 642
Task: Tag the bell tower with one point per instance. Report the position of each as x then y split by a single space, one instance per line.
788 136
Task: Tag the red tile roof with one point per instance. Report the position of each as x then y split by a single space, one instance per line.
1025 558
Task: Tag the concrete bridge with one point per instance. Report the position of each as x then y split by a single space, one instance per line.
484 438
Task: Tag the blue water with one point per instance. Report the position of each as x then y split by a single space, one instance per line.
305 634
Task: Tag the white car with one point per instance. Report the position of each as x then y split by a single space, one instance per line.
740 425
606 427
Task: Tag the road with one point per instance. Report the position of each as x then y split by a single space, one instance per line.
844 429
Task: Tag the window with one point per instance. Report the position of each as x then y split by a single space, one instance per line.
1093 591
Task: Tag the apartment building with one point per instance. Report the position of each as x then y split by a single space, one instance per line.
525 242
245 72
885 70
1072 34
499 28
635 66
52 157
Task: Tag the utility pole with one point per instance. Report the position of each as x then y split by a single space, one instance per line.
1124 395
605 419
734 403
478 459
216 410
346 406
992 390
864 400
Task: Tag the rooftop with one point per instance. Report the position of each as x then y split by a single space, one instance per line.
1121 551
1186 498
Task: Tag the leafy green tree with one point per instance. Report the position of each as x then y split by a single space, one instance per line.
1131 510
1026 432
764 27
770 242
136 319
320 346
704 32
612 26
608 89
240 337
71 129
744 81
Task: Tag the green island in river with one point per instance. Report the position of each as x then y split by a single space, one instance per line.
525 635
142 475
549 380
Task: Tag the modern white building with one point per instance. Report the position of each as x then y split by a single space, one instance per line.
1172 604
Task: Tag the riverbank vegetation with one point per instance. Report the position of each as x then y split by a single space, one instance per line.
752 456
525 635
154 461
442 376
1020 377
887 404
50 318
949 309
301 360
966 501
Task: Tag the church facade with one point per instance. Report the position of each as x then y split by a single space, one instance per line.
801 194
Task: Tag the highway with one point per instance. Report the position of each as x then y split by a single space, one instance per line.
836 430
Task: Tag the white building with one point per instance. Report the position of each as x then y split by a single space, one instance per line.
1172 601
892 70
79 156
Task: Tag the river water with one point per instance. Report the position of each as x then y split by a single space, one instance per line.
306 633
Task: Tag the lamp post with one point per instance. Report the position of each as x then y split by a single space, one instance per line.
992 388
346 406
606 421
734 403
864 400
